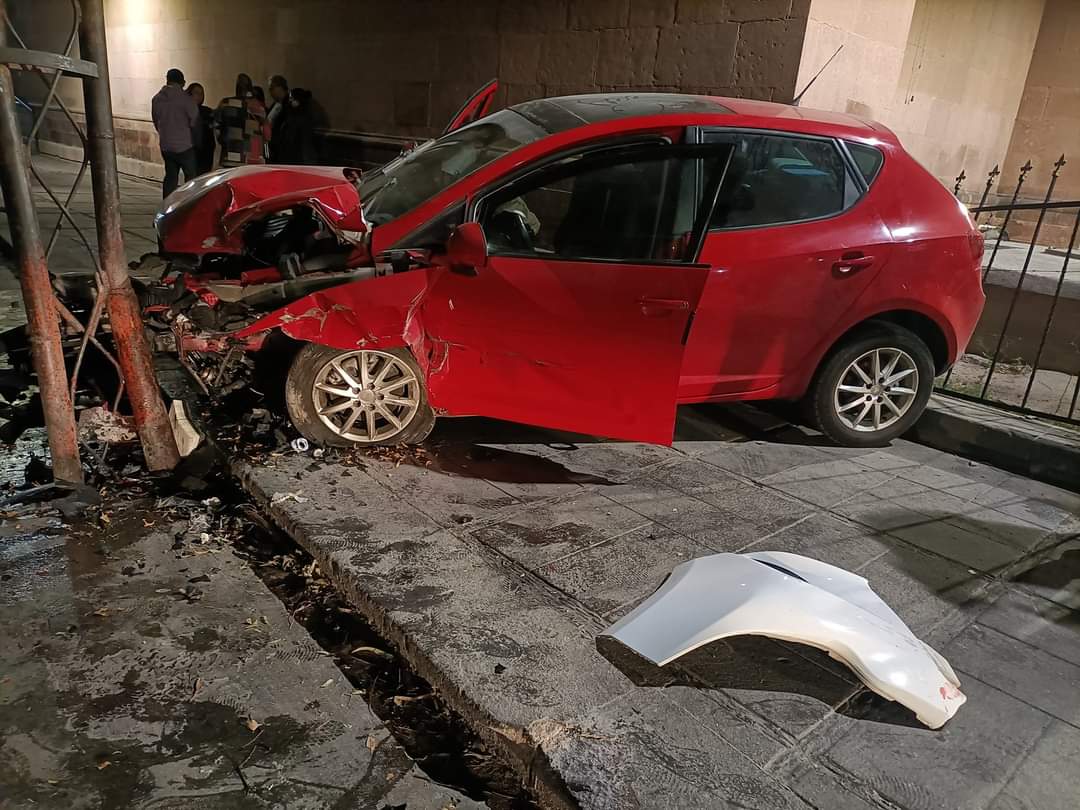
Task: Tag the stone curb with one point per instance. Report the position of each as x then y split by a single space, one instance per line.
1004 441
521 752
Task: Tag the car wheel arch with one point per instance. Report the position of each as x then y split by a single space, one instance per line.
926 327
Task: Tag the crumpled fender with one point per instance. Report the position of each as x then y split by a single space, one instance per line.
206 215
362 314
338 206
793 598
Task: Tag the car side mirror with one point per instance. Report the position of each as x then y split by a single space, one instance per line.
466 249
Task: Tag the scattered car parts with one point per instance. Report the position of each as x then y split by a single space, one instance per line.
793 598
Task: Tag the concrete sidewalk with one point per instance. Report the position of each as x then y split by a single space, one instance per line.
143 668
494 565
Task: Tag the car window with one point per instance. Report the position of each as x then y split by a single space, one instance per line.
775 179
434 234
414 178
868 159
610 206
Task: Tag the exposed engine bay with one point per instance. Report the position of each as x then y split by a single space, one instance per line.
199 301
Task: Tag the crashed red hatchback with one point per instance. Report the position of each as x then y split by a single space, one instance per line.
584 263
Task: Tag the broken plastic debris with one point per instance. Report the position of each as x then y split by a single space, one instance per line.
282 497
187 436
793 598
100 425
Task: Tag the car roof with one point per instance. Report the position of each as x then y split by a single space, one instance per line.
569 112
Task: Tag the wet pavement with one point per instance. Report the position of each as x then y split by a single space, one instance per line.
495 555
144 664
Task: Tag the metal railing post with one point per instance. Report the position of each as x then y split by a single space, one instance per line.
125 314
43 325
1023 273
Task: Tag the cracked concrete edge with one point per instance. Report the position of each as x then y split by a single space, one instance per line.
1017 451
518 746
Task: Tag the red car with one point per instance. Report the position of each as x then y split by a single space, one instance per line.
586 263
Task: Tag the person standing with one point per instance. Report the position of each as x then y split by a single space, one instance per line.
175 114
278 112
203 134
242 125
295 142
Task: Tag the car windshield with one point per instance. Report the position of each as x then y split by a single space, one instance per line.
406 182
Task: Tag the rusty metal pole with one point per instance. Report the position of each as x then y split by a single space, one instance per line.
125 314
42 323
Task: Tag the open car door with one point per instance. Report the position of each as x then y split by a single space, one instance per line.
478 105
577 308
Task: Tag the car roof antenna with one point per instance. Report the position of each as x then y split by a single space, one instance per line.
795 101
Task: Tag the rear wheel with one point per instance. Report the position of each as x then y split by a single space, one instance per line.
362 397
873 387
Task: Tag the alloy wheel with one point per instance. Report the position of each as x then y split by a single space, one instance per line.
366 396
876 390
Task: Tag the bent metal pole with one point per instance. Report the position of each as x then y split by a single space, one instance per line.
43 325
125 314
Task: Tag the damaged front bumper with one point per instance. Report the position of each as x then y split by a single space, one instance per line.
793 598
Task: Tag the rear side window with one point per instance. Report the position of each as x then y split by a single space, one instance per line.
868 159
775 179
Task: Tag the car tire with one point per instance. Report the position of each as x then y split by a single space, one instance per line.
322 416
855 408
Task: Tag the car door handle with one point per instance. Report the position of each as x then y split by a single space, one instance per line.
658 307
851 262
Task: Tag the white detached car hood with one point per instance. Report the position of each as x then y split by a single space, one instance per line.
793 598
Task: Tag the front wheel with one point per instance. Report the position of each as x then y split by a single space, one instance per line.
873 387
364 397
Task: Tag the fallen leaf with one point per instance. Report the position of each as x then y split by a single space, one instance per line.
329 682
199 684
253 724
103 764
372 743
401 700
105 517
372 650
104 611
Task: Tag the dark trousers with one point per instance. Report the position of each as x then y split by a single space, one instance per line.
174 163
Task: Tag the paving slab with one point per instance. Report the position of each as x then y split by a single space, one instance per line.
137 675
1047 775
495 576
963 765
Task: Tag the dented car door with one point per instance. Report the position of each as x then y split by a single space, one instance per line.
579 318
475 107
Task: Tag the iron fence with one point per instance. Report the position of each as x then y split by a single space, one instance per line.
1025 353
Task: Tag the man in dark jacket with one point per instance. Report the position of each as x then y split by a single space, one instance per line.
296 144
279 109
175 114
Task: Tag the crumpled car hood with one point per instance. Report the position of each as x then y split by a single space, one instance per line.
207 214
793 598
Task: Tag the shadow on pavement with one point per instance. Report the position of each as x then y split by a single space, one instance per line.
496 464
762 664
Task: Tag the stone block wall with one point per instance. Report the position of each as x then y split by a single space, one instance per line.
1048 126
404 67
945 75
